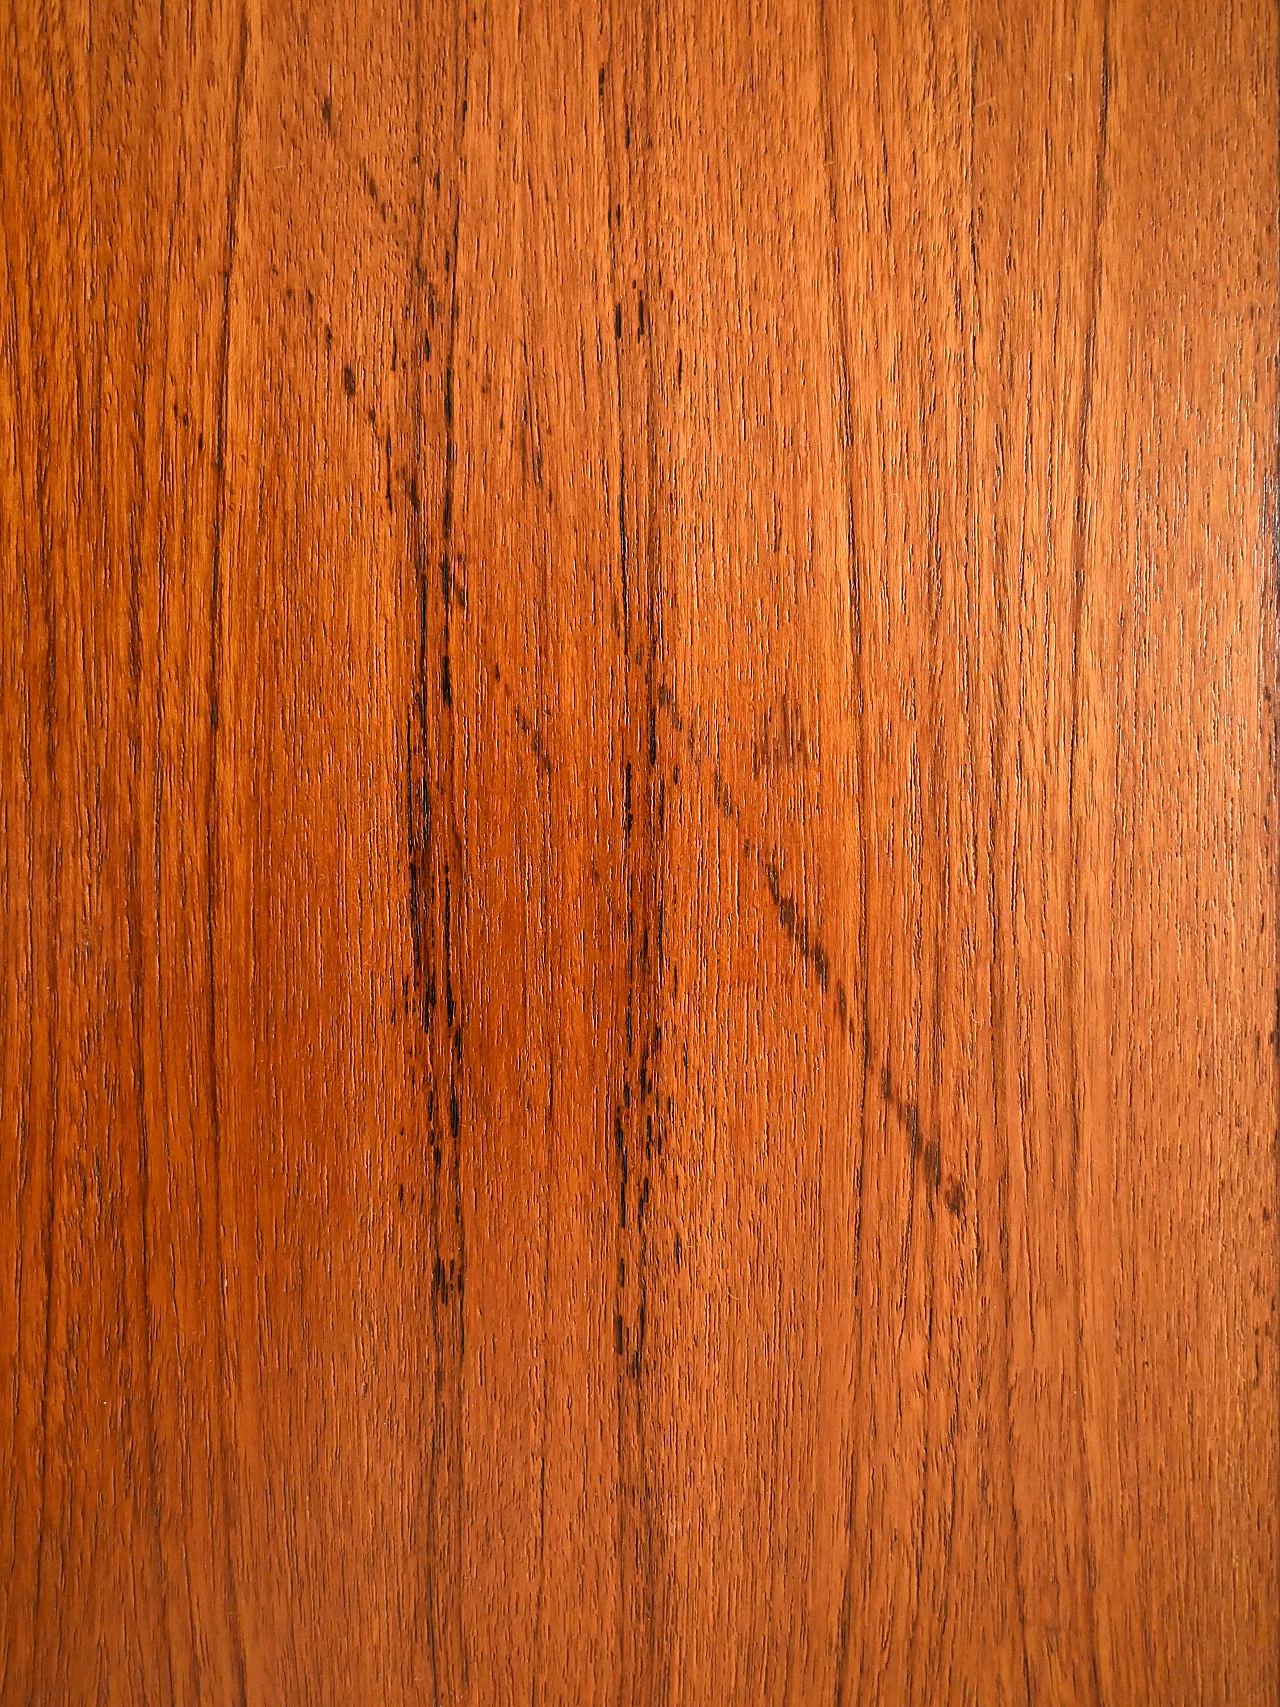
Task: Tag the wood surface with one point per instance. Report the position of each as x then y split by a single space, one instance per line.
639 891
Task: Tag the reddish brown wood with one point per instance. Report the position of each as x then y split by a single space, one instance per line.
637 791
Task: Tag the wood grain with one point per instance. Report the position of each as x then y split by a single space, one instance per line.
639 894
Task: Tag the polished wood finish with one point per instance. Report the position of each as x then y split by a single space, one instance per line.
639 874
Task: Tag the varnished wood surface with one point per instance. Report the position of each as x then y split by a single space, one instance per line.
639 853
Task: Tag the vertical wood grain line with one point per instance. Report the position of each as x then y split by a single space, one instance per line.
1080 531
435 861
213 856
626 114
860 994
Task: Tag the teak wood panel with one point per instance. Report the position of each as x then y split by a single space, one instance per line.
639 853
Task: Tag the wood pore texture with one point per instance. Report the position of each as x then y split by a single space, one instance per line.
639 888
